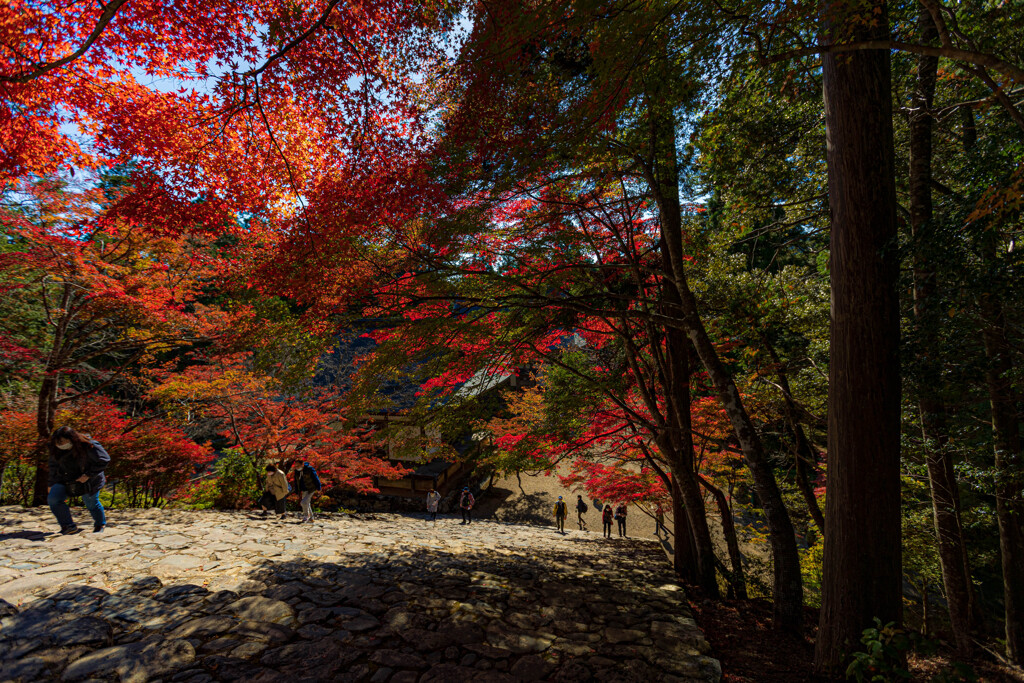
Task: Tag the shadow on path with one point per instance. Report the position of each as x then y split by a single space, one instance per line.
28 535
398 615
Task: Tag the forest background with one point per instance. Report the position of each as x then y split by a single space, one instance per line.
754 259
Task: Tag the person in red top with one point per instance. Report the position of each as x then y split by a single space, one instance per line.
606 520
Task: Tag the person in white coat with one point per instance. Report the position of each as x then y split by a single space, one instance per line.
277 488
433 498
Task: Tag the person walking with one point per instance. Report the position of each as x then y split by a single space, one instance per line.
466 502
76 464
561 512
659 521
606 520
620 517
278 488
433 498
307 483
581 508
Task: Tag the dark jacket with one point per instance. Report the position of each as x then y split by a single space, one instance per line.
307 480
65 468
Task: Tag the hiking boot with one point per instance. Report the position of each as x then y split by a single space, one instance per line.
68 531
96 528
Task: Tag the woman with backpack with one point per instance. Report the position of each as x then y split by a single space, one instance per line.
606 520
466 502
307 483
76 468
581 508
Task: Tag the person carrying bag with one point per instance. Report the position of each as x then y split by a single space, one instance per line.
76 468
277 490
307 482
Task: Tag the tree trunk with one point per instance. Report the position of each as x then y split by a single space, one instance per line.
862 555
684 551
924 608
805 455
46 412
787 589
956 576
691 528
737 578
680 452
1009 464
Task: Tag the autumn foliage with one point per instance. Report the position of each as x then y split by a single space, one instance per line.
252 413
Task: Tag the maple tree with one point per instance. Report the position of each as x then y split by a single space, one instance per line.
113 296
255 415
521 303
149 457
499 177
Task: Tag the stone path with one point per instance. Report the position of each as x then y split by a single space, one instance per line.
205 596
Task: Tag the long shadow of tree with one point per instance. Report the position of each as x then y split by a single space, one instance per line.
422 614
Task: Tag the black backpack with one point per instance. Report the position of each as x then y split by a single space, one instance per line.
582 507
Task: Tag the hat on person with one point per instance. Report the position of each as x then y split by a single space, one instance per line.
465 488
559 498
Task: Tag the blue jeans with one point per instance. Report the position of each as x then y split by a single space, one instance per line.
57 500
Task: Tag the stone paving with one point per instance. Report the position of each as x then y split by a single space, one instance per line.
193 597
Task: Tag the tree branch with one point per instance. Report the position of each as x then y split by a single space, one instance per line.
109 10
290 45
982 59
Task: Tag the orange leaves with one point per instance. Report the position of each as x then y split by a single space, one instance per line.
205 96
997 202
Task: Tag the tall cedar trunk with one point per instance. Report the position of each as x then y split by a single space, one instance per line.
46 412
787 588
861 569
1009 464
956 576
805 455
736 579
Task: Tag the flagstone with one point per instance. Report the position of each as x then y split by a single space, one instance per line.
382 598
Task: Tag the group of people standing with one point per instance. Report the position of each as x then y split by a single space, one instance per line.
618 513
275 494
